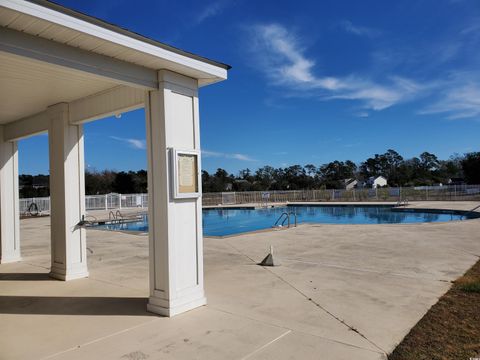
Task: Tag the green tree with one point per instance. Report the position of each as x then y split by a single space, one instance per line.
333 174
124 183
471 167
265 177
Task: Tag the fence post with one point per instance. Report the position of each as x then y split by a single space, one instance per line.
106 202
119 201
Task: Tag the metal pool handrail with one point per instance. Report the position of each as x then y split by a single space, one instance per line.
472 210
402 202
286 217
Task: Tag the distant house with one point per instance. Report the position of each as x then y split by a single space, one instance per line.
350 184
376 181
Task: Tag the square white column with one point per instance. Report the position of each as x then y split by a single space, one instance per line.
67 196
9 212
175 225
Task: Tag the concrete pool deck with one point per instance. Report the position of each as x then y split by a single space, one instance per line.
341 292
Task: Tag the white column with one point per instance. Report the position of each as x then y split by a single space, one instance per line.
67 196
9 213
175 225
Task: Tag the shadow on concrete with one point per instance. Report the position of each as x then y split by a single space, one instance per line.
60 305
25 277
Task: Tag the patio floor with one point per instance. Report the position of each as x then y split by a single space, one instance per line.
341 292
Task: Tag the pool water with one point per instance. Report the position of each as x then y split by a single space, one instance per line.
222 222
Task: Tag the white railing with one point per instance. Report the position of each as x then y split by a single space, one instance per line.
425 193
119 201
35 204
92 202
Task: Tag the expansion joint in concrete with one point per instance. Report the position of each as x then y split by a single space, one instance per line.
341 321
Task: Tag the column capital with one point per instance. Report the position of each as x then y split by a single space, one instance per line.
166 77
62 106
58 112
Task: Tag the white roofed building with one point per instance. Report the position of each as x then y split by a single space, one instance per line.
60 69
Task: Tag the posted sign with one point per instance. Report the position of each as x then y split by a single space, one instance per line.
185 174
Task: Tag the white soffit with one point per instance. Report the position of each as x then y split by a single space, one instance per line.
43 19
28 86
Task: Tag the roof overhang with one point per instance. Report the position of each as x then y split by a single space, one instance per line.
51 54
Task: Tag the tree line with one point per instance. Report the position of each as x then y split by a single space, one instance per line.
426 169
103 182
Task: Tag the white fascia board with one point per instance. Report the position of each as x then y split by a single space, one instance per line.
112 36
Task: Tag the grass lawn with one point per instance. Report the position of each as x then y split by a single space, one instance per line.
451 328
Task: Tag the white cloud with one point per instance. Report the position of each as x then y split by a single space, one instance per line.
211 10
237 156
283 59
207 153
359 30
363 114
471 29
459 100
134 143
376 96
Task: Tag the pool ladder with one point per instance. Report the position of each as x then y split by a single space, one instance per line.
285 217
402 203
115 217
472 210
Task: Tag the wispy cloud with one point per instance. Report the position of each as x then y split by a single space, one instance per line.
138 144
363 114
359 30
213 9
459 97
378 96
283 59
472 28
236 156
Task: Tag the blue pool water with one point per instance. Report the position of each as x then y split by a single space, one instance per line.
221 222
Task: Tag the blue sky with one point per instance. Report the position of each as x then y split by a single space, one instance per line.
312 81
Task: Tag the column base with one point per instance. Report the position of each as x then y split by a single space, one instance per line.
61 274
7 260
165 308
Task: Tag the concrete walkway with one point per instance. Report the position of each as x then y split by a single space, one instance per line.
342 292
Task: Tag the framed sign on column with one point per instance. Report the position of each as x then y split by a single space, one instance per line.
185 174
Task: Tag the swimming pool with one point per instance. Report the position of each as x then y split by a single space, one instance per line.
222 222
